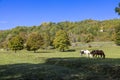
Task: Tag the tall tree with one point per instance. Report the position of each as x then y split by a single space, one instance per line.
117 9
16 43
61 40
34 42
88 38
117 29
6 41
47 40
117 35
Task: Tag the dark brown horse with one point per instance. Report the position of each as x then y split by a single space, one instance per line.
98 53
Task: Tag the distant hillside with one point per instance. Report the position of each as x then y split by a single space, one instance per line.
77 31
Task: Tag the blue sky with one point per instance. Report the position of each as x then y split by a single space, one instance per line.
33 12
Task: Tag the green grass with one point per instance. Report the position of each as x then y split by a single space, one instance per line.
55 65
30 57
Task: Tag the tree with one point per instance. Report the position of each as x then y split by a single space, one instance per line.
88 38
117 35
46 40
34 42
117 9
117 29
6 41
16 43
61 40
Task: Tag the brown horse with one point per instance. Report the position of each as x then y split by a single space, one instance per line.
98 53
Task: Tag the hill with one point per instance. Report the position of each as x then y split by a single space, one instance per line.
77 31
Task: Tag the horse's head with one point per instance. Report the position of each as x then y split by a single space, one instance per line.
81 52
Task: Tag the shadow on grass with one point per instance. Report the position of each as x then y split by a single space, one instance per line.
63 69
33 72
44 51
83 60
70 50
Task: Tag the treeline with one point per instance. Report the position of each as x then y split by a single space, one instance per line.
82 31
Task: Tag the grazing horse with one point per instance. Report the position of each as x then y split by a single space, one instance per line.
98 53
85 52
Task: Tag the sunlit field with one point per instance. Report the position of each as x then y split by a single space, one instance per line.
60 65
9 57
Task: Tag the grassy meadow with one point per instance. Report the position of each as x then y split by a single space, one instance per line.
55 65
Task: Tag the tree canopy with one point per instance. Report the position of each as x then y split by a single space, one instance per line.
117 28
117 9
61 40
16 43
77 31
34 42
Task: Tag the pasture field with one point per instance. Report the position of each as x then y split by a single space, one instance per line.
55 65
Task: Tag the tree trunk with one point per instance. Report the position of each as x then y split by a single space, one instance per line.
15 51
34 51
63 50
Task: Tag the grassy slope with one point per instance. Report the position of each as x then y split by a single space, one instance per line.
54 65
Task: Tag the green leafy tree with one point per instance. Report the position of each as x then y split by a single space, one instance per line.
34 42
117 29
117 39
117 9
6 41
88 38
46 40
16 43
61 40
117 35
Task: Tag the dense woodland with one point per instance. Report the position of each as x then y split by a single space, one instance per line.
82 31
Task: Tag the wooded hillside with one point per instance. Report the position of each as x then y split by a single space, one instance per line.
82 31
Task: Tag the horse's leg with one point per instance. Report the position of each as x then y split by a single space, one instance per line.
81 53
87 55
97 55
94 55
90 55
101 55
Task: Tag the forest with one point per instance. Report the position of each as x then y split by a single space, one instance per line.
82 31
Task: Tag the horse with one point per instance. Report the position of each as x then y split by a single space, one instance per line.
85 52
98 53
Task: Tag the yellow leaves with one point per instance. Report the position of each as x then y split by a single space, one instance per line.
61 40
